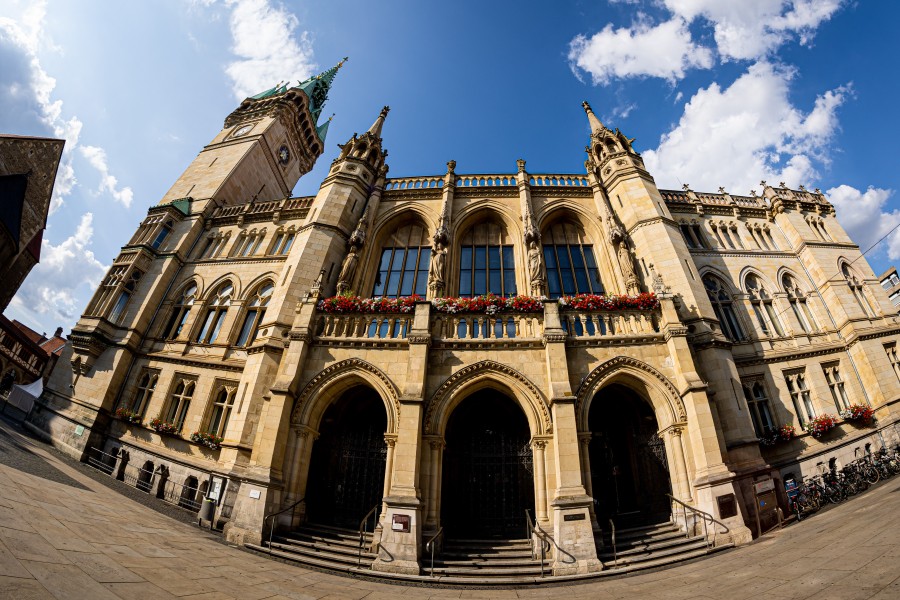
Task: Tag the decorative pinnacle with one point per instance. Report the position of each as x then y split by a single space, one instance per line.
521 164
722 190
686 187
451 166
596 125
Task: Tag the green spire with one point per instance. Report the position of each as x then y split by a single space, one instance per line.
322 129
279 88
317 88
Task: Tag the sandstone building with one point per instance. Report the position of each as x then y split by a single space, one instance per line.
578 411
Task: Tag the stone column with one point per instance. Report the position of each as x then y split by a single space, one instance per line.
391 441
680 484
584 440
434 483
540 480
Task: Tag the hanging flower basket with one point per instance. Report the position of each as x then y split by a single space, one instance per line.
128 416
859 413
163 427
820 425
355 304
209 440
489 304
603 302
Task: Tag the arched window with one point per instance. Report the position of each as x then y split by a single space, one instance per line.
799 304
796 383
762 307
858 290
162 235
125 296
283 241
215 314
144 392
721 302
569 258
760 411
256 310
486 261
180 312
221 410
403 266
180 402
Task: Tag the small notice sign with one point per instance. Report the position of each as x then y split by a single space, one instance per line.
574 517
400 523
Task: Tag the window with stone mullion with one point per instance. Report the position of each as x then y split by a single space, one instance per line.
760 411
221 411
402 272
486 269
180 403
144 392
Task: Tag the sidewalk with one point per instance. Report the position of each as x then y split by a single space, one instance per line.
64 535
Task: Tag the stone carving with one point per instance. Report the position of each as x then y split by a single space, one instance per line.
656 282
436 270
316 290
484 369
536 268
625 262
348 270
358 237
342 369
597 378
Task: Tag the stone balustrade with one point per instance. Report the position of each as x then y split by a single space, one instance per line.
504 326
559 180
612 324
413 183
331 326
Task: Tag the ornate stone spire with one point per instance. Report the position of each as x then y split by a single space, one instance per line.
375 129
596 125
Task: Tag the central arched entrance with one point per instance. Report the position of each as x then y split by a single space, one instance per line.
488 479
629 469
346 472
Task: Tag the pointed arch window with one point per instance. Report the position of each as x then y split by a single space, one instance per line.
403 265
256 311
223 402
799 304
486 261
760 410
283 241
180 402
722 306
180 312
763 309
569 259
216 310
144 393
125 296
162 235
796 383
858 290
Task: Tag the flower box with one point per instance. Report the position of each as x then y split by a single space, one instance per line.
859 413
163 427
489 304
129 416
820 425
355 304
209 440
785 433
604 302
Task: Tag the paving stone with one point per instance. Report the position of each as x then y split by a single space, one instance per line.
67 582
23 589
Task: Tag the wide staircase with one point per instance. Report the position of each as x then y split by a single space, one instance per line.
486 562
649 546
322 546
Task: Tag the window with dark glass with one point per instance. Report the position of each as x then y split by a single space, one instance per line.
760 411
722 306
221 410
403 264
215 314
180 402
486 261
180 312
256 310
569 259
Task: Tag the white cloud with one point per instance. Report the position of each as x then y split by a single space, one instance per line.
270 52
742 30
863 216
749 131
97 158
665 50
21 38
51 294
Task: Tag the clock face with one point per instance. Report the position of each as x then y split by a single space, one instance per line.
284 155
242 130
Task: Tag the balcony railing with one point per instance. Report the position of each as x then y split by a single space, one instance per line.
363 326
504 326
610 324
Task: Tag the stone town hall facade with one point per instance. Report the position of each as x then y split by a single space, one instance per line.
767 315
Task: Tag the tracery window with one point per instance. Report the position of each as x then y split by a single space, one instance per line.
284 239
858 290
760 409
486 261
693 235
162 235
125 295
762 307
722 306
803 406
248 243
180 402
221 409
799 304
569 259
836 386
893 358
215 314
256 310
180 312
144 392
404 262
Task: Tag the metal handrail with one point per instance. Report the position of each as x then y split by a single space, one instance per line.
363 529
704 516
612 538
429 545
534 529
275 514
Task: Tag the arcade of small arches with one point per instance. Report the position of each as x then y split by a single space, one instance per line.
486 447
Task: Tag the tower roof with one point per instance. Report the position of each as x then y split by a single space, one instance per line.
596 125
316 88
322 130
375 129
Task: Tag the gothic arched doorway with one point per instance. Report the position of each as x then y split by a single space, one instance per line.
346 472
488 480
629 469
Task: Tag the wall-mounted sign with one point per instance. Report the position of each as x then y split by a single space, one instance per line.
574 517
216 487
400 523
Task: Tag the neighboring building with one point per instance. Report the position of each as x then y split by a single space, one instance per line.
891 284
26 355
578 412
27 172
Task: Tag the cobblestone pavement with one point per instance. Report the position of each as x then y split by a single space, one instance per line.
65 534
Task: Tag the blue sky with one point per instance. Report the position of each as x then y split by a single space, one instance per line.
717 93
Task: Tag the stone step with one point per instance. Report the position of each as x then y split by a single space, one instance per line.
635 557
301 536
650 546
344 558
492 545
479 563
489 571
326 546
485 553
327 531
631 543
661 529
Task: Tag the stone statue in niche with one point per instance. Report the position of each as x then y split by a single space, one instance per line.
627 266
348 269
535 268
436 270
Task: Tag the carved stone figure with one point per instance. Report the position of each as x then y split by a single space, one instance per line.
627 268
535 264
348 269
436 271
